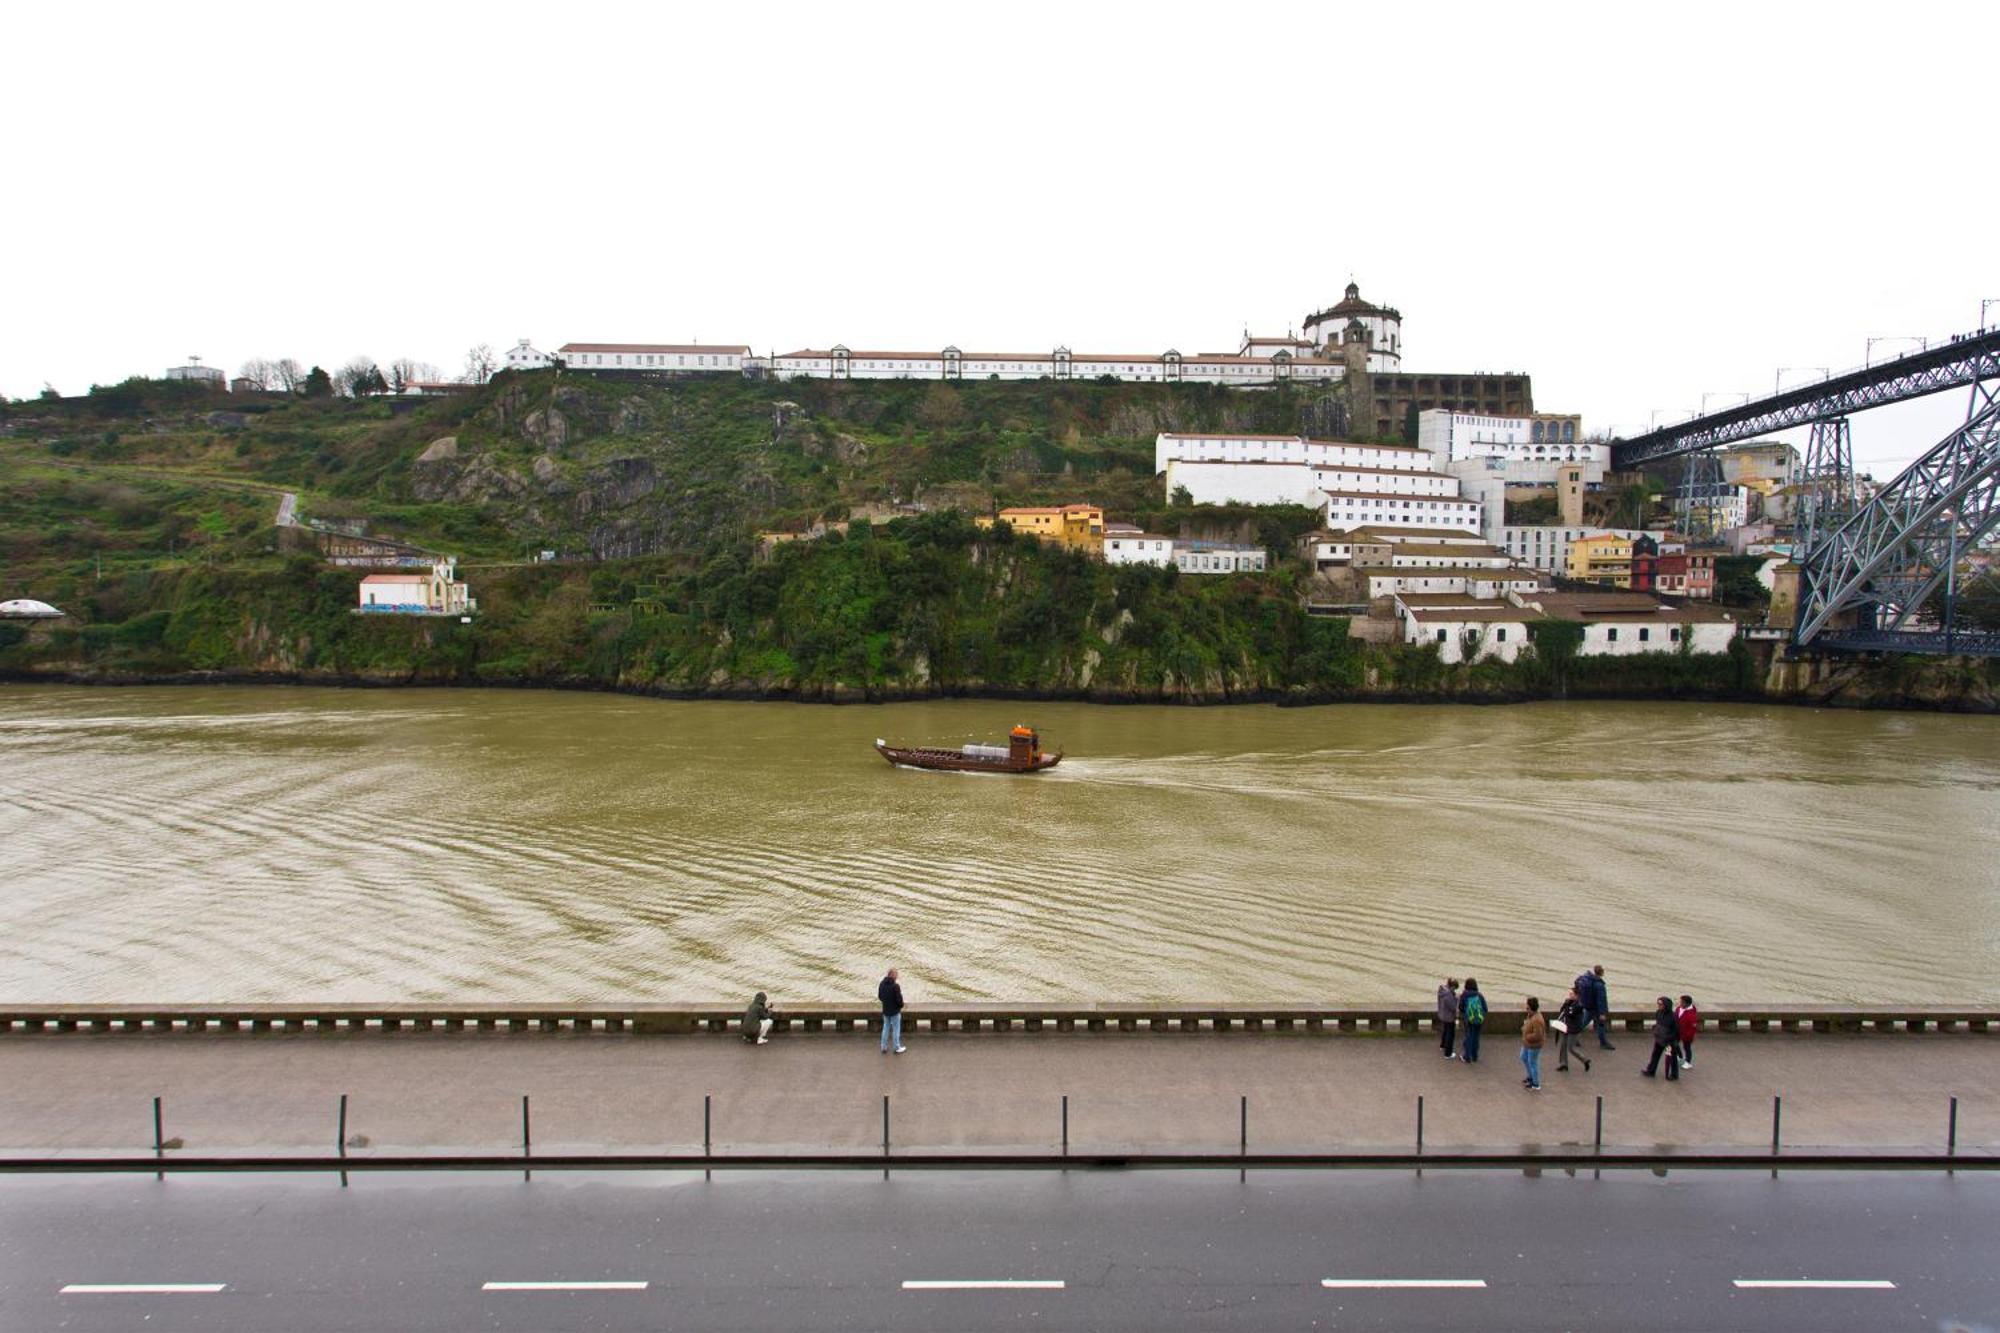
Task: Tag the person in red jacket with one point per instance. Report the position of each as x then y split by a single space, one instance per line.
1687 1022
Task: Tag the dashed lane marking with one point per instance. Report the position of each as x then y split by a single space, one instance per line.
142 1288
564 1286
1812 1284
987 1284
1403 1283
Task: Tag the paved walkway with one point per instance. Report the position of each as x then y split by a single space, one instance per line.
232 1092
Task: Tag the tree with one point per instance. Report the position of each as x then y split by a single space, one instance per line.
287 374
403 372
480 364
316 384
360 377
261 373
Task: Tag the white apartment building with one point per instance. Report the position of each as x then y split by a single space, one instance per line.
1525 450
1546 547
1199 557
1128 544
658 358
1173 446
1469 580
523 356
1358 508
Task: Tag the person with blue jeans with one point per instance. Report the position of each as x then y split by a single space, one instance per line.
1600 1007
890 992
1534 1031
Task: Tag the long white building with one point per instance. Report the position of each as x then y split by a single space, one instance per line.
659 358
1173 446
1351 332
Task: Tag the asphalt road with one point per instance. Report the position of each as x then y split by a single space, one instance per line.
1129 1250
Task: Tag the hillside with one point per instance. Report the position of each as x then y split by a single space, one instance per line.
147 512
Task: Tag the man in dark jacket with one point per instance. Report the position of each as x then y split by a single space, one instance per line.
1600 1007
890 993
1447 1019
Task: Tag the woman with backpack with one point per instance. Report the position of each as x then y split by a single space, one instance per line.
1471 1012
1571 1019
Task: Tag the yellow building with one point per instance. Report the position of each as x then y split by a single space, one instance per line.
1078 526
1603 559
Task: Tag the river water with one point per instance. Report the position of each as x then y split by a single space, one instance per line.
274 843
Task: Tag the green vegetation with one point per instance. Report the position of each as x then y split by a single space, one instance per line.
146 510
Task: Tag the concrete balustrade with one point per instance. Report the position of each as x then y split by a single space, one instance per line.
652 1019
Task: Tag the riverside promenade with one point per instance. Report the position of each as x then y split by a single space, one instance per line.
82 1093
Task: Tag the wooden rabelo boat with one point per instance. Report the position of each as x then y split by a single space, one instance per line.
1021 754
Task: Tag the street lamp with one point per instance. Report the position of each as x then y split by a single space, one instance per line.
1868 356
1724 393
1984 303
1778 381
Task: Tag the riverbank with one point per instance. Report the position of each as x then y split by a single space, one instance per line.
1946 687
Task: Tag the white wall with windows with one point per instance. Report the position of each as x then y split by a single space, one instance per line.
1170 446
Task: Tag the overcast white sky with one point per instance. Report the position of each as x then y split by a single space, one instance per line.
1636 203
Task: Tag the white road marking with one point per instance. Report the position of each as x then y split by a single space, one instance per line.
1812 1284
998 1284
140 1288
564 1286
1403 1283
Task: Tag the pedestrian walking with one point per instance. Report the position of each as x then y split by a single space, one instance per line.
1687 1022
1666 1036
1569 1023
757 1021
1600 1008
1472 1013
890 993
1448 1017
1534 1031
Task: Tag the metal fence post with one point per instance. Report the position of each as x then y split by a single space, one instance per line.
1777 1121
527 1138
707 1139
1597 1138
1242 1133
1065 1098
885 1136
159 1143
1420 1124
340 1139
1951 1131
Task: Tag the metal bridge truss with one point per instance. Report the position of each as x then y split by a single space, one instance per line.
1865 582
1824 487
1957 363
1701 495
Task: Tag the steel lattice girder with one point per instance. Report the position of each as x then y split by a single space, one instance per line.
1899 546
1951 365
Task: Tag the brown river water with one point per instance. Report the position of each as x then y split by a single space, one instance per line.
277 844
